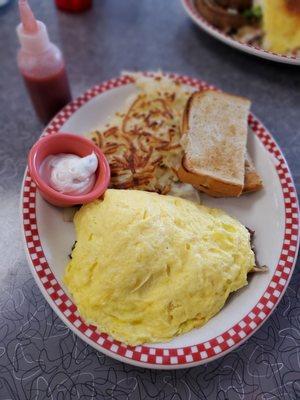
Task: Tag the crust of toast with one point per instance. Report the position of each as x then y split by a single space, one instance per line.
212 185
253 182
204 184
185 121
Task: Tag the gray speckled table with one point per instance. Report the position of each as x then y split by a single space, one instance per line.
39 357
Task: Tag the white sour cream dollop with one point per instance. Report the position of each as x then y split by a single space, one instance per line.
70 174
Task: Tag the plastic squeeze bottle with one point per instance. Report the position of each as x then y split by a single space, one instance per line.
42 66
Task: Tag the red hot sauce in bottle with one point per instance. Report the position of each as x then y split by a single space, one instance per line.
42 66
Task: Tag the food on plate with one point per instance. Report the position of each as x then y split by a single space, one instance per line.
145 150
223 15
281 24
214 138
69 173
142 141
147 267
185 191
271 24
253 181
238 4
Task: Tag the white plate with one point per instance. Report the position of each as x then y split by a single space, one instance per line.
272 213
218 34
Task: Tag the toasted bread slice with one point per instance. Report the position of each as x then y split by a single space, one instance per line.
214 137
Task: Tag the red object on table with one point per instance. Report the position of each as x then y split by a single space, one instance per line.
42 66
48 94
71 144
73 5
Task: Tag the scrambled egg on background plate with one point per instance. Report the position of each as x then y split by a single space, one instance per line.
281 23
148 267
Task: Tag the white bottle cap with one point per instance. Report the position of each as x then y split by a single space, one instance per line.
37 42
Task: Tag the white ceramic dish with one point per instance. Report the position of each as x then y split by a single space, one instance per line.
218 34
272 213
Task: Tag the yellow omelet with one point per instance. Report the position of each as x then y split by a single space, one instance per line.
148 267
281 24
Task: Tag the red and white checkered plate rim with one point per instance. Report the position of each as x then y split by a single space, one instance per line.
150 356
189 6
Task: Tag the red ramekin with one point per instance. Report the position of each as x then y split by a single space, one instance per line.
70 144
73 5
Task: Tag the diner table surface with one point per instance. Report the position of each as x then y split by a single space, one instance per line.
40 358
